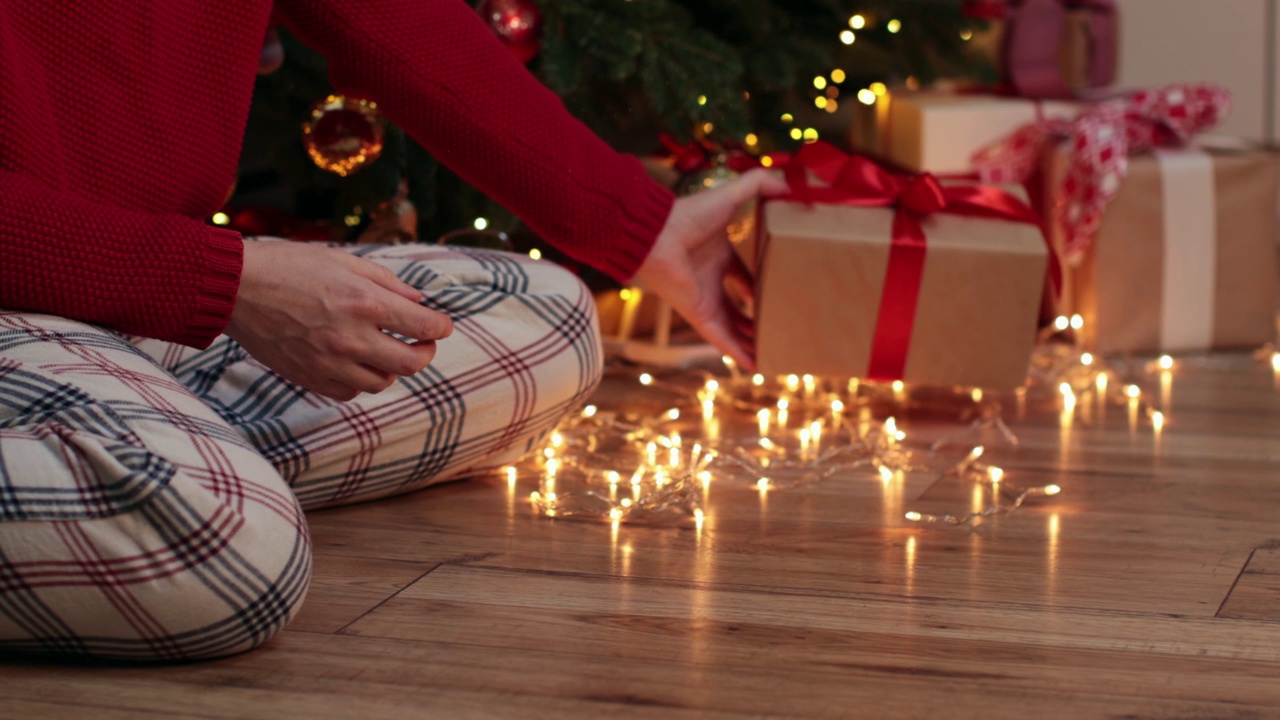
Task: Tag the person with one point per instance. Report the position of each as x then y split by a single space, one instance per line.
173 396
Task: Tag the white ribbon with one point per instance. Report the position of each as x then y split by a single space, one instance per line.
1190 249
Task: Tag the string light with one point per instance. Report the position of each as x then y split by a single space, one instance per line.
893 26
857 22
535 254
847 37
879 88
820 82
1166 362
1061 323
480 223
702 100
220 218
1077 322
866 96
837 76
671 474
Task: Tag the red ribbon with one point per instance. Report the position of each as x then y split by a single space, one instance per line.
857 181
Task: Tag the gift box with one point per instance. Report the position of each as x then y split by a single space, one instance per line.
1053 48
1184 257
891 277
1169 247
939 132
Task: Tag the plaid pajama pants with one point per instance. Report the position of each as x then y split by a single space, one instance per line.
151 495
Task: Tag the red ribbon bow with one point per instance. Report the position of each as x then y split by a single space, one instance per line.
858 181
1101 140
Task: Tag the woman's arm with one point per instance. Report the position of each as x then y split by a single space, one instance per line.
163 276
438 72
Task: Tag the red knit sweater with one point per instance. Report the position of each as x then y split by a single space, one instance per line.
121 123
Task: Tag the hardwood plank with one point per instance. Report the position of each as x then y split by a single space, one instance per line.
321 676
1256 595
345 587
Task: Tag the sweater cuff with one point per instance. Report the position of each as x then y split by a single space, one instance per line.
644 216
216 293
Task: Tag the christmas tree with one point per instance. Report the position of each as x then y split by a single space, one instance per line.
757 75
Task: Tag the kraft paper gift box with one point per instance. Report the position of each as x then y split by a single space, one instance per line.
939 132
821 275
1186 255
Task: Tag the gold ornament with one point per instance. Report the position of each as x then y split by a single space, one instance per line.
343 134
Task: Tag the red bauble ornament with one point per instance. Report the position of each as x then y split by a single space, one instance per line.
343 134
517 23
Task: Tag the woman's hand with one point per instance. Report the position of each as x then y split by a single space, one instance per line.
689 261
316 315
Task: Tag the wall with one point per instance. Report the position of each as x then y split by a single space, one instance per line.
1230 42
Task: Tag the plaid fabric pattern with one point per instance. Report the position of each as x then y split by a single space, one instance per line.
151 494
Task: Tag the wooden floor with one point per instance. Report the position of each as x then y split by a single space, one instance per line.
1149 589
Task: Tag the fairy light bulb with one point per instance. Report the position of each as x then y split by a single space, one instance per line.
762 419
1068 396
590 411
613 477
557 440
886 474
810 383
914 516
899 386
673 414
763 484
757 380
1102 381
1166 362
1052 490
553 467
511 475
1062 322
615 514
891 428
815 431
712 386
837 407
1133 392
1275 361
1157 420
1086 359
793 382
1077 321
646 379
996 474
651 453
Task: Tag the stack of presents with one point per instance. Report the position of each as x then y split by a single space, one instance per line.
987 213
